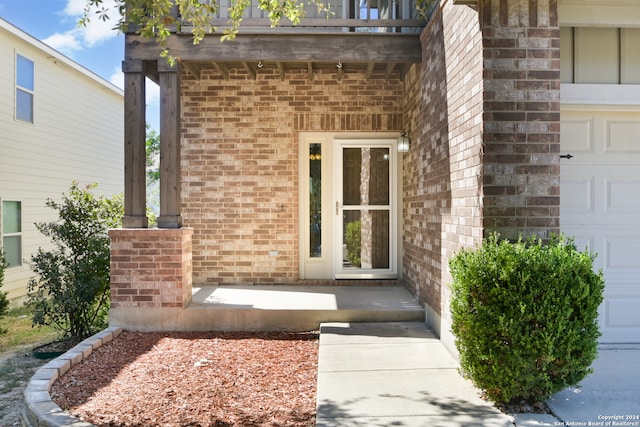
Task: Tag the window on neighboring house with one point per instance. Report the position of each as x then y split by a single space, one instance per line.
24 89
11 220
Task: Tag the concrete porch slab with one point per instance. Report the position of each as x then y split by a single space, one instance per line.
277 307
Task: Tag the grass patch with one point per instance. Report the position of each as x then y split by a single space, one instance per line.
20 333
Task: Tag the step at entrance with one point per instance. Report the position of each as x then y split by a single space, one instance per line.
281 307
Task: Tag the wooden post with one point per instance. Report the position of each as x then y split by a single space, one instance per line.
169 145
135 191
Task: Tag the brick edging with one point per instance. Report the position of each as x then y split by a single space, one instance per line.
40 410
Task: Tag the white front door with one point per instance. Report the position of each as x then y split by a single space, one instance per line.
600 207
365 201
348 206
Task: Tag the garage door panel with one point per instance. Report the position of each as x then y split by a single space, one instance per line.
600 207
619 320
617 250
586 241
576 135
615 254
623 194
583 242
608 195
623 136
577 195
620 310
601 137
622 253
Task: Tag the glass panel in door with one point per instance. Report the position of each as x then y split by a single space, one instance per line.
364 208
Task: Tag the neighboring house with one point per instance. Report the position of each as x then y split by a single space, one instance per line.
279 146
59 122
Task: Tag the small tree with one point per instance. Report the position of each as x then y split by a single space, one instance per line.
153 174
71 289
525 316
152 152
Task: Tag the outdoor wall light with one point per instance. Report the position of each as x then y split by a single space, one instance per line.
403 143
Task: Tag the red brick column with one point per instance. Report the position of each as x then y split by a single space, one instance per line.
521 138
151 268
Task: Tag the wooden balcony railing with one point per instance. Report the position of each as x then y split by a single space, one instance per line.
379 16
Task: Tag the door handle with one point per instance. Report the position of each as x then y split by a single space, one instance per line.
338 206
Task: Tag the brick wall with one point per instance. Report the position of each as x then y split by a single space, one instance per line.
522 116
239 161
442 172
483 110
150 268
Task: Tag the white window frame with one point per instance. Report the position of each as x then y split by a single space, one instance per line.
25 90
15 234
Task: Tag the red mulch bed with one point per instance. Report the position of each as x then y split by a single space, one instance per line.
195 379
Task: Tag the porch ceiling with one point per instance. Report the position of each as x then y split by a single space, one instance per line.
380 54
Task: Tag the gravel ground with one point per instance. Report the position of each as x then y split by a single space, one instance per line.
16 369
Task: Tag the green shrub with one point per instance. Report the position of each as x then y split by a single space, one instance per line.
4 301
354 238
71 289
525 316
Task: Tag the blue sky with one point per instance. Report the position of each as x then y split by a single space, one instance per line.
96 47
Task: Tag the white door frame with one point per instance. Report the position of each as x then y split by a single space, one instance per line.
324 265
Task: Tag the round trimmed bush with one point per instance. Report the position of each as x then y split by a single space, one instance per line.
524 315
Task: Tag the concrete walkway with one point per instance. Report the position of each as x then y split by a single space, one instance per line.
610 396
394 374
400 374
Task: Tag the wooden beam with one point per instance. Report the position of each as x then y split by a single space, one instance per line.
390 67
340 68
193 68
321 47
169 148
280 66
151 71
135 185
224 70
310 71
250 69
370 67
403 69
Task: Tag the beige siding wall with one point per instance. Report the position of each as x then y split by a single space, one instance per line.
600 55
600 42
77 135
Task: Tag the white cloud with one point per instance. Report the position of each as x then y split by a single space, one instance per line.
66 43
117 78
98 31
75 7
93 34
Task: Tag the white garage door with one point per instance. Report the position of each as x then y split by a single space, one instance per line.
600 207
